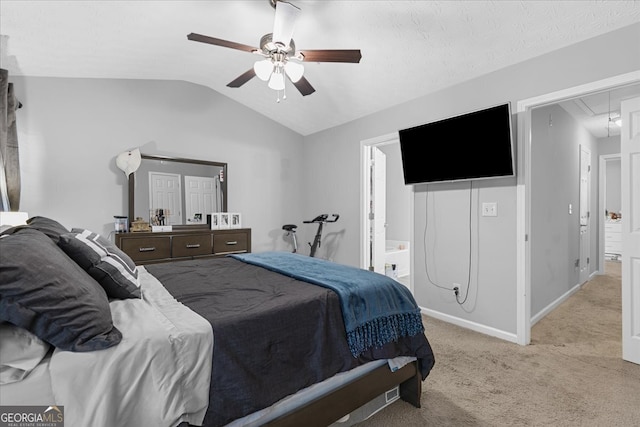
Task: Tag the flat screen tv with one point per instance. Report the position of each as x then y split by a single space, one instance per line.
475 145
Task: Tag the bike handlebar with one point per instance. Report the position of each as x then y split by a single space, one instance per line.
323 218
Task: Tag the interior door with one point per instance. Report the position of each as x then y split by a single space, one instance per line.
165 194
585 229
379 190
630 189
200 198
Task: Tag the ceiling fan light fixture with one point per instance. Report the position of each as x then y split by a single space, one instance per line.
276 82
277 49
294 70
263 69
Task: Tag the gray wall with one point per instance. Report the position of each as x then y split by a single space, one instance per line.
70 131
555 157
492 302
613 183
609 145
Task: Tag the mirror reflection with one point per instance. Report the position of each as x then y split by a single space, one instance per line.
170 191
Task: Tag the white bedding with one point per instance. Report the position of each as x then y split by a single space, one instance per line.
33 390
162 382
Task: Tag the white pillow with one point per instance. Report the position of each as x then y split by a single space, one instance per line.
20 352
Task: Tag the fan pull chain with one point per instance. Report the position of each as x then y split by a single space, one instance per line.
284 93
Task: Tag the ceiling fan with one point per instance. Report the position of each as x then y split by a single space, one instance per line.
279 54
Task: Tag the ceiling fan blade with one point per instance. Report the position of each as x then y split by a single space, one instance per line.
243 78
328 55
219 42
304 86
285 22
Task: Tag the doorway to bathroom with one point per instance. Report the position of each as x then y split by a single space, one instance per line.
387 210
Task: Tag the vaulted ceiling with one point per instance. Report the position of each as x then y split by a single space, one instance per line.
409 48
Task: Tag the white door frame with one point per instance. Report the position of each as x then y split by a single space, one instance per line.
365 159
523 196
604 159
584 212
378 221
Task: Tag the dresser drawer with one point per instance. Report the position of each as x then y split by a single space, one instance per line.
613 247
613 227
151 248
612 237
191 245
230 242
147 248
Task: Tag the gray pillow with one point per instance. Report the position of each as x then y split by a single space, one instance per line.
43 291
112 268
48 226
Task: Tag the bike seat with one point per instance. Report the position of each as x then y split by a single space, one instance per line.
289 227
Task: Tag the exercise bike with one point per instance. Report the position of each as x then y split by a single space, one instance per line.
321 220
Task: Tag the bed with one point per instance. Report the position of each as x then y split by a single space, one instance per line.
242 340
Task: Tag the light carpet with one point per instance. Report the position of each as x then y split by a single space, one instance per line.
572 374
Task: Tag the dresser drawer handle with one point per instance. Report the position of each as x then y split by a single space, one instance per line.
193 246
149 249
234 242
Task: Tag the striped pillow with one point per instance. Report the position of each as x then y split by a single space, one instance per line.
112 268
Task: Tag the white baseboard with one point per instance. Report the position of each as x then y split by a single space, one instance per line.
548 309
477 327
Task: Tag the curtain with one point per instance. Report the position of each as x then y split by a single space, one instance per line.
9 160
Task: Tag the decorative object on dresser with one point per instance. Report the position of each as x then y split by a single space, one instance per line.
151 248
140 225
120 224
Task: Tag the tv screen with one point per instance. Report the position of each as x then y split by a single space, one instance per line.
475 145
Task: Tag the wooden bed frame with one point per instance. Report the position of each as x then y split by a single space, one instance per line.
335 405
329 408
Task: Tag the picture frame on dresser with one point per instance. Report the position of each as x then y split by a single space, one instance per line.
214 220
225 220
235 220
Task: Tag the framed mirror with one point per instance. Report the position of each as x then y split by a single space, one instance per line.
177 192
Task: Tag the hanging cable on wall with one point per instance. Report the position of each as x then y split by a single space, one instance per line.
454 289
466 294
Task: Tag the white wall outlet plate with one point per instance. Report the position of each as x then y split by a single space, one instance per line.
490 209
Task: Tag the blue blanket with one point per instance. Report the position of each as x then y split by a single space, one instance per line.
376 309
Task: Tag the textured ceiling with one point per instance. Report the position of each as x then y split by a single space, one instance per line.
409 48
